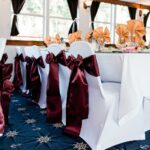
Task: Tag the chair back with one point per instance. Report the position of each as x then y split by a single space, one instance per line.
84 49
28 51
2 46
54 48
96 96
19 50
36 52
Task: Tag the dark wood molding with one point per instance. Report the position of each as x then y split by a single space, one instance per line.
25 43
129 4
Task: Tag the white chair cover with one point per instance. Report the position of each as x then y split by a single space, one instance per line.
2 46
19 50
101 126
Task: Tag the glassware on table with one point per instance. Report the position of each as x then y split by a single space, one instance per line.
101 43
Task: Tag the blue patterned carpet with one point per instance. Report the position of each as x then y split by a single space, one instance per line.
28 130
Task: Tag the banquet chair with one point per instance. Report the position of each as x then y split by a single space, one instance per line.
101 130
19 51
63 78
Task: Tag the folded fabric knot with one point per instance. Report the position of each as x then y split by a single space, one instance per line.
51 58
39 61
70 61
91 66
8 87
5 72
20 57
61 58
4 58
28 59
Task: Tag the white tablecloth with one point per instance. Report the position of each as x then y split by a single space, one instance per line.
133 71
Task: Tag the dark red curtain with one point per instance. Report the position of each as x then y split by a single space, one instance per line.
93 10
73 6
132 12
17 6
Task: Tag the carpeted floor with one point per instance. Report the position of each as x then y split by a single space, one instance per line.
28 130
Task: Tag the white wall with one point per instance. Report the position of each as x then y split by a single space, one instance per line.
5 18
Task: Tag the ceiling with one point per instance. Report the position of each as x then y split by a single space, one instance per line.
144 2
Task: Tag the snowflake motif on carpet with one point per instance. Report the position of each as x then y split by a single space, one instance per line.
21 109
15 101
36 129
145 147
27 114
80 146
11 134
14 146
30 121
43 139
43 112
58 125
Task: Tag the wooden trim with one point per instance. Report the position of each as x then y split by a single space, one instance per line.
25 43
129 4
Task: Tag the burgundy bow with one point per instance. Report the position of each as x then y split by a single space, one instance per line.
4 58
54 108
77 100
5 71
18 81
35 78
28 71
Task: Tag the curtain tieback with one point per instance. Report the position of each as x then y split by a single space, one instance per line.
75 20
15 14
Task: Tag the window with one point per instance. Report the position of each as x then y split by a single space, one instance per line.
103 17
59 18
30 20
148 30
33 22
122 14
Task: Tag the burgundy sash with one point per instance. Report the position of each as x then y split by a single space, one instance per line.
18 76
6 88
2 122
6 92
54 106
35 78
77 107
28 71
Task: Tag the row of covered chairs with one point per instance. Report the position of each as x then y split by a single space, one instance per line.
6 89
72 91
